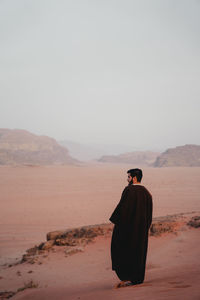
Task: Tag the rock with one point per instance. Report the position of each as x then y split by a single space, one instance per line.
194 222
6 295
90 231
53 235
32 254
73 250
161 227
66 242
33 250
47 245
28 285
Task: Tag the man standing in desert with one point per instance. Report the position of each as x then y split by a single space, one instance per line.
132 218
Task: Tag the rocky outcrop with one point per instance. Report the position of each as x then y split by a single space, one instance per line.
182 156
142 158
74 240
23 147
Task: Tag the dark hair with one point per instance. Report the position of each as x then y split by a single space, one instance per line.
136 173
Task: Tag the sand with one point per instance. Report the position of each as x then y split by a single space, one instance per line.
173 272
36 200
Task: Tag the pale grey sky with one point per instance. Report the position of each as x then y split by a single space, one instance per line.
102 71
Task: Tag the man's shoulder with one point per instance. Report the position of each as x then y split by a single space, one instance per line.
139 188
126 189
134 188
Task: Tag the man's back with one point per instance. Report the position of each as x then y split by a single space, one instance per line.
134 208
132 218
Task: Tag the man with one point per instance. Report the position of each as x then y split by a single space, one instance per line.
132 218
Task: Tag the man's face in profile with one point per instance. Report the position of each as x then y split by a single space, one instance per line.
130 179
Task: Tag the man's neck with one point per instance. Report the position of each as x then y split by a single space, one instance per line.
136 183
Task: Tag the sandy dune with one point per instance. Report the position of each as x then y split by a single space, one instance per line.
36 200
173 272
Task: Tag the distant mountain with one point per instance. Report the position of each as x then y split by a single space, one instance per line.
80 151
142 158
22 147
86 152
182 156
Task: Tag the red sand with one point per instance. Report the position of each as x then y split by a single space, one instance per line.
173 272
35 200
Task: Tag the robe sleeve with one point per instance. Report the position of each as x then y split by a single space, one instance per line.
150 210
122 212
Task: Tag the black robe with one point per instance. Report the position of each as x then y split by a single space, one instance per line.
132 218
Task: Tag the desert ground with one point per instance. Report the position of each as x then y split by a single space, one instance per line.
37 199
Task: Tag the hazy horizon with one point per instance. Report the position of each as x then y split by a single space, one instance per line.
102 72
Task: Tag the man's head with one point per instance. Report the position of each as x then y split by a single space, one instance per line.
134 176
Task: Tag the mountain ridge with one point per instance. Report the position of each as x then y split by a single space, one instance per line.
143 158
19 146
180 156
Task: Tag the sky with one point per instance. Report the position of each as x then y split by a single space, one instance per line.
119 72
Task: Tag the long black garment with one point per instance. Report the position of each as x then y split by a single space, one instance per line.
132 218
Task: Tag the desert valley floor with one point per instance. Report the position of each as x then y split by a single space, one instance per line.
37 199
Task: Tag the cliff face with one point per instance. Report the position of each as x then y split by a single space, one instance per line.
182 156
22 147
144 158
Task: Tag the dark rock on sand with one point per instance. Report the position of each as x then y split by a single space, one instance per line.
194 222
6 295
